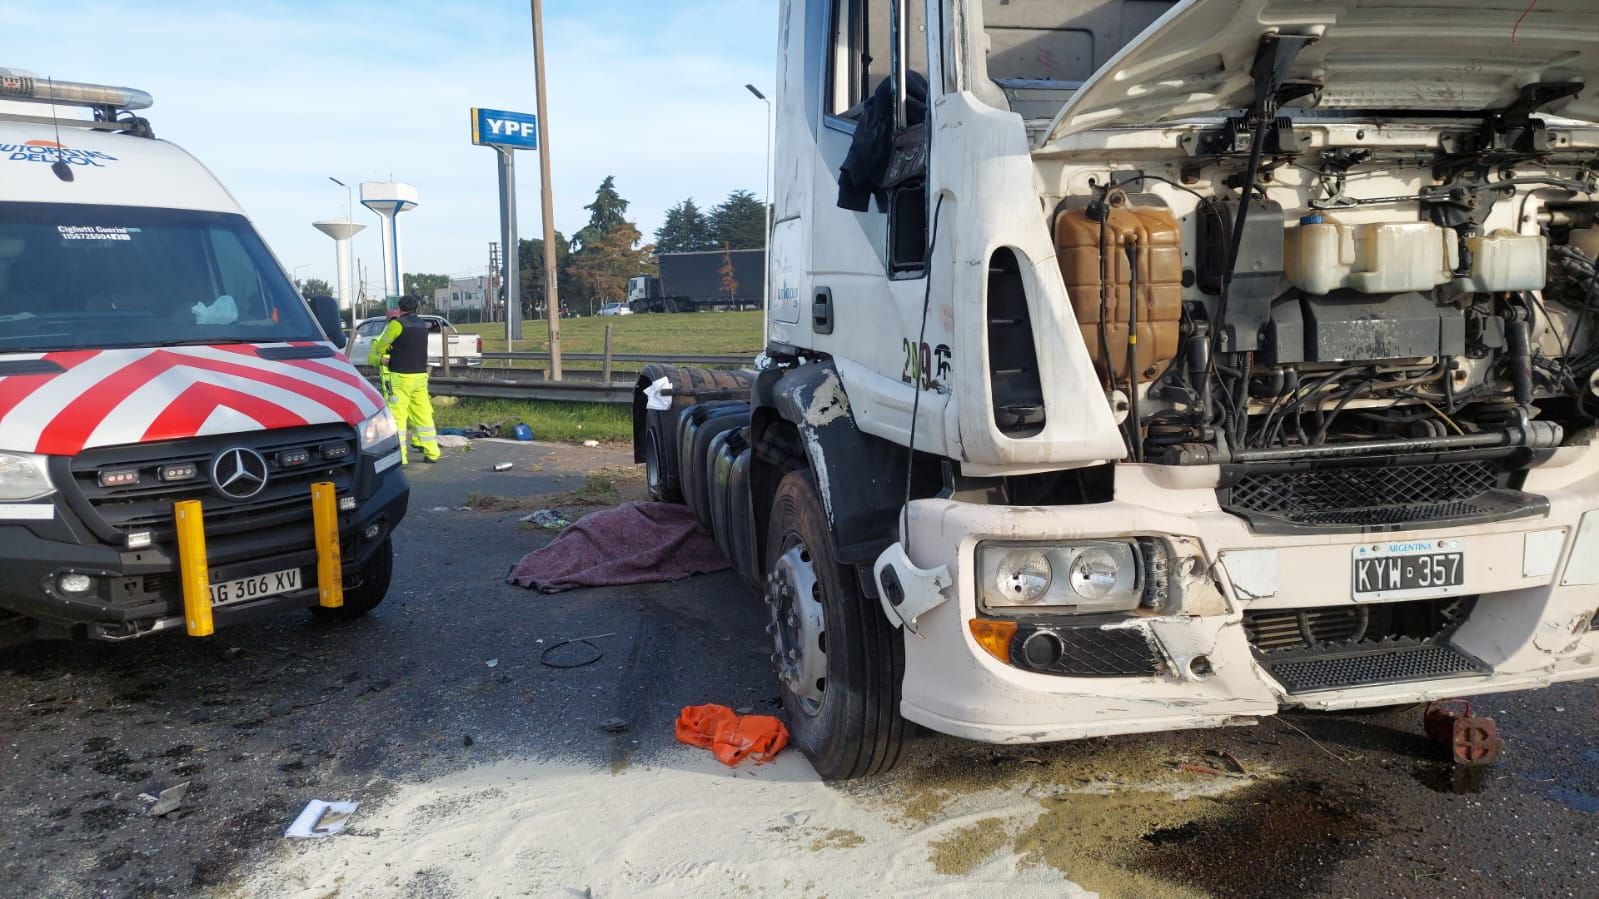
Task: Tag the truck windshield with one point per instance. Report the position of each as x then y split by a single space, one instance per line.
78 277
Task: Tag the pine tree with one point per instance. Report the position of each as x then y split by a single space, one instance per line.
739 222
606 213
685 230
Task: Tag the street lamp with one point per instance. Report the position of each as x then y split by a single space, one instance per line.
295 275
766 254
349 251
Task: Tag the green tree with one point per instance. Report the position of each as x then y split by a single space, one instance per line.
422 286
739 222
685 230
531 259
600 270
606 213
315 287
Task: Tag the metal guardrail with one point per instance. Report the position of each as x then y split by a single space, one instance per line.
735 361
514 384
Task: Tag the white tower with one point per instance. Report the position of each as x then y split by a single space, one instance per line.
341 230
388 199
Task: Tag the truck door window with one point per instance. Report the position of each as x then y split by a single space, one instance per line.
860 57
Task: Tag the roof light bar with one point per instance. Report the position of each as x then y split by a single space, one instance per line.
17 84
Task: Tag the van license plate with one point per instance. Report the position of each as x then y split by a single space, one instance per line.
1412 568
255 586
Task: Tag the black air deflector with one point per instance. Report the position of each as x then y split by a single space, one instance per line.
1017 393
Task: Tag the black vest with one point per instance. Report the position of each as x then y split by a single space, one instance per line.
408 355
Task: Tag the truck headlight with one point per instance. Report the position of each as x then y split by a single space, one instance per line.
1097 576
23 476
379 434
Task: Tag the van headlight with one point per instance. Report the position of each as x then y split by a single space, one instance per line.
379 434
23 476
1097 576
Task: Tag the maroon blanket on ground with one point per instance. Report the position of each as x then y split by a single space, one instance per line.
634 543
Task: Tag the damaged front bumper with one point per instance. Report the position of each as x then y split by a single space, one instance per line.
1531 589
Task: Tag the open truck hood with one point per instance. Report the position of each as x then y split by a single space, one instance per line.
1390 55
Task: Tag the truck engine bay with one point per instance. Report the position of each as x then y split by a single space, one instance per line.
1397 287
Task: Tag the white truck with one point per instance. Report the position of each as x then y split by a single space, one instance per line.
1135 366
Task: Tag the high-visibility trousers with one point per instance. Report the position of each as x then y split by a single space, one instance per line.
413 413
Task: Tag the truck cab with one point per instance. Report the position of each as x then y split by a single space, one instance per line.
1137 366
182 445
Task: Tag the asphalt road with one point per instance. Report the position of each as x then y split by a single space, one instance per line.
263 717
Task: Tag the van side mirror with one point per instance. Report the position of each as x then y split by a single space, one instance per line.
326 310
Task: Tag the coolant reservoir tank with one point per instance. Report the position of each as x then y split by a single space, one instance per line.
1505 260
1155 231
1321 255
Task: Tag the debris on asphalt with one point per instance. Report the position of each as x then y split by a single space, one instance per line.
320 819
492 663
1472 741
547 518
591 443
502 466
572 660
467 741
731 737
169 799
613 725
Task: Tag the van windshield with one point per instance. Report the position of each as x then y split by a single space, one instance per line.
76 276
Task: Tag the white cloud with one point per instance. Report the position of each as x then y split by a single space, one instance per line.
275 97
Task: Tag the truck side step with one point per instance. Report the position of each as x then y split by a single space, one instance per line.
1395 665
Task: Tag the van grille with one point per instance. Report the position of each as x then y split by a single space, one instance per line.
147 505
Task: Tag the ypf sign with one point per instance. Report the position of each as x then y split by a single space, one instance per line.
498 128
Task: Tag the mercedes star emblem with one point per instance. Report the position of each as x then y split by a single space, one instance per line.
239 473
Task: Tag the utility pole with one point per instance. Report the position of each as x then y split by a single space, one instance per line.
552 299
491 296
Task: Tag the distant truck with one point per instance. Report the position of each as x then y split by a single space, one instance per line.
692 281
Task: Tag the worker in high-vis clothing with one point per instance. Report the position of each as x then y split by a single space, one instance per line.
402 354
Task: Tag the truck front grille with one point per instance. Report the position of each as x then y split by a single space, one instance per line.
1374 496
1330 647
115 511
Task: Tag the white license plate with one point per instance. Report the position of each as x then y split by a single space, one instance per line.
255 586
1409 568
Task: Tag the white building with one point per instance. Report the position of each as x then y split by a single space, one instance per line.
463 293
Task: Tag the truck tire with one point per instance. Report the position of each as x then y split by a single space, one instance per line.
839 662
661 489
374 584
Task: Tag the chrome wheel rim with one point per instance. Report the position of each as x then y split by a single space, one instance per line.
798 627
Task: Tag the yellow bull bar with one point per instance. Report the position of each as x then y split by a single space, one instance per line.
195 573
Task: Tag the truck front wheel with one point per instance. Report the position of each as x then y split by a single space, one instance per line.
374 584
839 663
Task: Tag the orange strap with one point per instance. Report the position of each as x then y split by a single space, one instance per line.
731 737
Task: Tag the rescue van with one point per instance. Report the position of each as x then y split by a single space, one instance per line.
182 445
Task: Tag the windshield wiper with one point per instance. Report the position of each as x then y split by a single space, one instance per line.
205 341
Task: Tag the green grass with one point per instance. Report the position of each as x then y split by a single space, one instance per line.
711 333
552 421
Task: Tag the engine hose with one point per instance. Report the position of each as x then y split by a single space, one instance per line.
1517 341
1135 421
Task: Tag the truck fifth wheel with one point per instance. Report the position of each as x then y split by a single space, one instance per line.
1134 367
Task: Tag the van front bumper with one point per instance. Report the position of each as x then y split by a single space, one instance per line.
1533 622
137 591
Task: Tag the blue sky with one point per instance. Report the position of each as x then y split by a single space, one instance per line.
277 96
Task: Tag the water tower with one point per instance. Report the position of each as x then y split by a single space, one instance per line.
388 199
341 230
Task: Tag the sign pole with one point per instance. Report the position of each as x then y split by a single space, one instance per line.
511 274
551 293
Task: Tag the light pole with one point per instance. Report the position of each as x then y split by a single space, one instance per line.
349 248
766 253
295 276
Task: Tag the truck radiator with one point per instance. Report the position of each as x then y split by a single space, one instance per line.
1334 647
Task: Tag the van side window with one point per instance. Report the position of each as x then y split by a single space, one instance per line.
861 58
